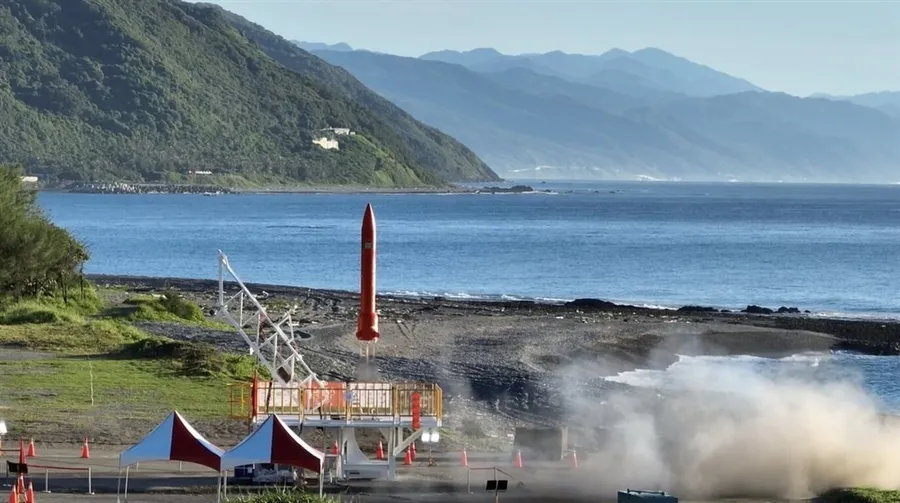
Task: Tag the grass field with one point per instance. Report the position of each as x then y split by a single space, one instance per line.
81 366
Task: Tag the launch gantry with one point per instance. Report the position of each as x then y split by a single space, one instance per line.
300 398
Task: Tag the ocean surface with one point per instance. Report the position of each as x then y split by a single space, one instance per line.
810 377
830 249
834 250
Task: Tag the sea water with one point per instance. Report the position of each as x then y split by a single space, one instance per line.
741 374
830 249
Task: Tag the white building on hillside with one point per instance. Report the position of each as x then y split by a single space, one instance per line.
327 143
339 131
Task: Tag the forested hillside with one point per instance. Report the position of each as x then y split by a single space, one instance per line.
147 90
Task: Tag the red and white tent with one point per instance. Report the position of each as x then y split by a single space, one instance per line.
173 440
273 442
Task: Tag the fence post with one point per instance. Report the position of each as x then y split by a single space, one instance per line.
46 480
469 480
90 484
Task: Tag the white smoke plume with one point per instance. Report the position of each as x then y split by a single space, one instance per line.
717 430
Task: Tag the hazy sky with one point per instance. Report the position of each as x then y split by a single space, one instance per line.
799 47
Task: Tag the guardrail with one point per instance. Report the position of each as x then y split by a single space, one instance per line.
47 468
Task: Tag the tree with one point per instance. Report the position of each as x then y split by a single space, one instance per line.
36 256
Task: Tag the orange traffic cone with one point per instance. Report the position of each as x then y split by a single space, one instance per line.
574 459
29 494
21 452
379 453
412 451
31 452
85 450
13 497
518 462
407 460
20 484
334 448
464 458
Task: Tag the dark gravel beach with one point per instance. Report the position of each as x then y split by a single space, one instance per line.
514 362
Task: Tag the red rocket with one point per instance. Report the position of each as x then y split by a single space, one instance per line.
367 323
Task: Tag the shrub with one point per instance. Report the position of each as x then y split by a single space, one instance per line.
168 307
286 496
192 359
33 312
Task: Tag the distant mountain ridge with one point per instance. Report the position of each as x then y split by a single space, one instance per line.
886 101
645 114
655 68
317 46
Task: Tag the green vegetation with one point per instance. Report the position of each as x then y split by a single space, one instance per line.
167 307
430 147
38 257
157 88
286 496
126 362
860 495
68 354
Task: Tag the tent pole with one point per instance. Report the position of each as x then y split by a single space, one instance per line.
118 479
225 484
126 483
219 488
322 477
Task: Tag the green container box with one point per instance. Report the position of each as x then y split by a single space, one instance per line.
636 496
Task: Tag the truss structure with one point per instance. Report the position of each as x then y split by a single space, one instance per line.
275 348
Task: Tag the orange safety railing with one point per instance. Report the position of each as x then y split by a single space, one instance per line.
368 399
239 401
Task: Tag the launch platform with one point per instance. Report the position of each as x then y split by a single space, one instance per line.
302 400
339 404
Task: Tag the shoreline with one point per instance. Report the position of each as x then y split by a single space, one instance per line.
123 188
286 190
867 335
522 302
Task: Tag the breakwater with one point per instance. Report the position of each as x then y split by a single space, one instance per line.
145 188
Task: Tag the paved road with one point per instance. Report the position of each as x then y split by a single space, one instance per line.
66 477
163 482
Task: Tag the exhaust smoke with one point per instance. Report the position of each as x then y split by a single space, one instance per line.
714 427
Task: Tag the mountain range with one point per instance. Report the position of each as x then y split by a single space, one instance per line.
166 91
646 114
886 101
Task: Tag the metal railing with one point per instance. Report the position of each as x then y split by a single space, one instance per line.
335 399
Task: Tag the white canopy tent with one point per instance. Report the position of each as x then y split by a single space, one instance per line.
273 442
174 439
